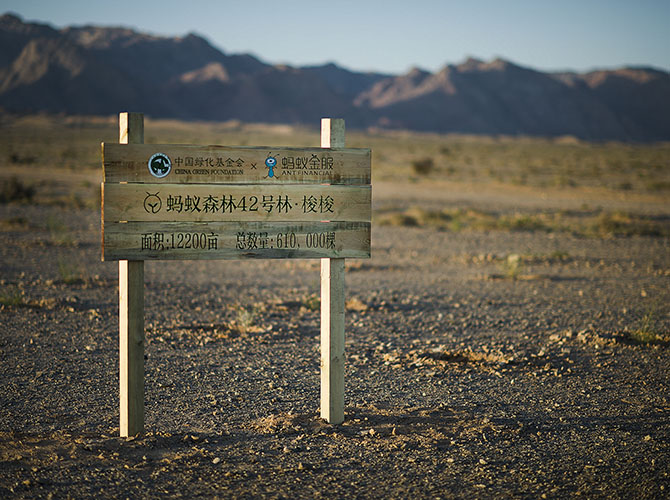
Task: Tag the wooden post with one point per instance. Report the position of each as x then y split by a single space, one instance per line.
332 309
131 314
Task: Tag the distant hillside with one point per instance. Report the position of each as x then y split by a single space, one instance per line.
94 70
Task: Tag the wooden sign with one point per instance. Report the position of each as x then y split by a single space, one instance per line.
220 202
236 240
178 164
215 202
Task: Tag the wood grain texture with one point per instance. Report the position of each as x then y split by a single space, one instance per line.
332 308
131 128
237 165
236 240
332 340
332 133
131 315
217 202
131 347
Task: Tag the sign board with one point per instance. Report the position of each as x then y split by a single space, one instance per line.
216 202
179 164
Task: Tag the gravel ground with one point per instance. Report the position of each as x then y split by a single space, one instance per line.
479 365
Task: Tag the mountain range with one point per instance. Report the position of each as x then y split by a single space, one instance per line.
101 71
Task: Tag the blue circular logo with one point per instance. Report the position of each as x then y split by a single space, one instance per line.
270 161
160 165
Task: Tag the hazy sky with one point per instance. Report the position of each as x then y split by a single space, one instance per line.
393 35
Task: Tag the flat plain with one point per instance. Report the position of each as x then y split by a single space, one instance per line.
508 338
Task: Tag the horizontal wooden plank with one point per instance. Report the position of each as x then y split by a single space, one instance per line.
235 240
226 202
237 165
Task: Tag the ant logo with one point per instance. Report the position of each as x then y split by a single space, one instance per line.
152 203
271 163
160 165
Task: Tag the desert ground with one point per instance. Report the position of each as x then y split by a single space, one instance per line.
508 338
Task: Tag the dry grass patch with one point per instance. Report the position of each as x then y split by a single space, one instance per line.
355 304
311 302
456 220
247 320
12 296
648 331
585 224
16 224
70 273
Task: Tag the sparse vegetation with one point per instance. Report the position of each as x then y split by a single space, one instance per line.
73 144
423 166
55 225
621 224
512 266
559 255
436 345
312 302
70 273
658 186
18 223
355 304
11 296
15 190
647 332
600 225
457 220
17 159
58 232
246 319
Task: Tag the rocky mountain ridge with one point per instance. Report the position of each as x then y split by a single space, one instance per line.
100 71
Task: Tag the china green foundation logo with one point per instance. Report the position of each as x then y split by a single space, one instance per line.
160 165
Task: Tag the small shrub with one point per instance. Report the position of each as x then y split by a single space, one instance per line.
512 266
55 225
355 304
15 224
246 319
423 166
647 331
521 222
13 189
559 255
622 224
312 302
457 223
69 273
643 336
58 232
11 297
17 159
399 219
658 185
564 181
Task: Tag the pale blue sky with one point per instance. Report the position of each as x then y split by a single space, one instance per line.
392 36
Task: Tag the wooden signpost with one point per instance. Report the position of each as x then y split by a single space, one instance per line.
214 202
